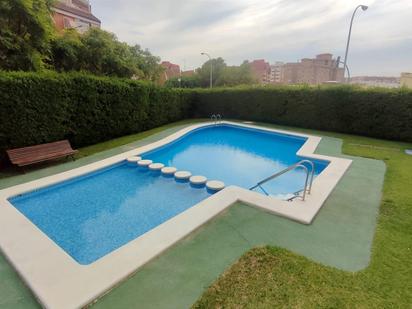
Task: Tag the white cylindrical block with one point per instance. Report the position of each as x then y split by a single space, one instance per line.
133 159
156 166
144 163
198 180
182 175
215 185
169 170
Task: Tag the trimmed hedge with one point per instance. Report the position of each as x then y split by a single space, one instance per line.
39 108
375 112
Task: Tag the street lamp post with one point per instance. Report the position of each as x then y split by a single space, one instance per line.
344 68
211 68
364 8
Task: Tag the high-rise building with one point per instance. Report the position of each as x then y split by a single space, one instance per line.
319 70
74 14
276 73
261 70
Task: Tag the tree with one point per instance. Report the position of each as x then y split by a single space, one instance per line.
29 42
204 72
101 53
236 75
25 32
224 75
65 51
147 63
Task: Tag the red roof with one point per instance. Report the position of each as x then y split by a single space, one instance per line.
75 11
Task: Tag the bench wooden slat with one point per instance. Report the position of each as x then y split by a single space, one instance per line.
40 153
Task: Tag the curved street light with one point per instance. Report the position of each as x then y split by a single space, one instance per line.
211 68
345 67
364 8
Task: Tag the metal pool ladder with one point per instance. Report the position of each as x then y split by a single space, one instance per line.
308 180
216 118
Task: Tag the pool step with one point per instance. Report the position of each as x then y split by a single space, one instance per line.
134 159
169 171
183 175
215 185
197 181
144 163
156 166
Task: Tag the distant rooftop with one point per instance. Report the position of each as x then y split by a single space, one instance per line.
69 6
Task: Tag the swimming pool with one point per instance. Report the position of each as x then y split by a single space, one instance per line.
95 214
92 215
73 236
238 156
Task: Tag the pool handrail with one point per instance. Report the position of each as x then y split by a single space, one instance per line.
216 118
308 180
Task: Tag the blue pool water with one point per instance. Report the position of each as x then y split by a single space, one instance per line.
238 156
93 215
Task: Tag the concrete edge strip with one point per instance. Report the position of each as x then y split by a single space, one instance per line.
60 282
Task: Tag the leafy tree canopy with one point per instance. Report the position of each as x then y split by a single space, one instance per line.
223 75
204 72
99 52
236 75
26 28
29 42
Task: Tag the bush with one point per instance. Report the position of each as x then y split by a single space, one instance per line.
183 82
375 112
39 108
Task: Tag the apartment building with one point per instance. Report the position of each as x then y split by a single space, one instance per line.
74 14
276 73
261 70
170 70
319 70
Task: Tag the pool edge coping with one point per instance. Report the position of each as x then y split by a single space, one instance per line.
60 282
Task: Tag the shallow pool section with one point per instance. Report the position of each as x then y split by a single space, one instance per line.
92 215
238 156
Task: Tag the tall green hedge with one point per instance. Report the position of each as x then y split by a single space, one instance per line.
38 108
376 112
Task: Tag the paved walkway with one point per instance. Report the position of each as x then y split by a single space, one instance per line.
341 236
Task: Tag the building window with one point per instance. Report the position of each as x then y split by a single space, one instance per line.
67 23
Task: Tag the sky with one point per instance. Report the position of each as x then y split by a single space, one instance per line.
275 30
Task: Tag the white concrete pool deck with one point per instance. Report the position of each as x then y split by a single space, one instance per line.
58 281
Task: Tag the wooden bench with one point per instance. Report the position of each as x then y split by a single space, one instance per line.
40 153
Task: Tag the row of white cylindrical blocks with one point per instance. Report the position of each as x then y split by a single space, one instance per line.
170 171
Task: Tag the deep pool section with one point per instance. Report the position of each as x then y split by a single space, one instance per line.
237 156
92 215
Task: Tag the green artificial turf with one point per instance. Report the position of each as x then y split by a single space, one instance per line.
271 277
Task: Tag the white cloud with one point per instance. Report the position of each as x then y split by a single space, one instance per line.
284 30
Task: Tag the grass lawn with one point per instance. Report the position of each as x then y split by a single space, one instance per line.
94 149
271 277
